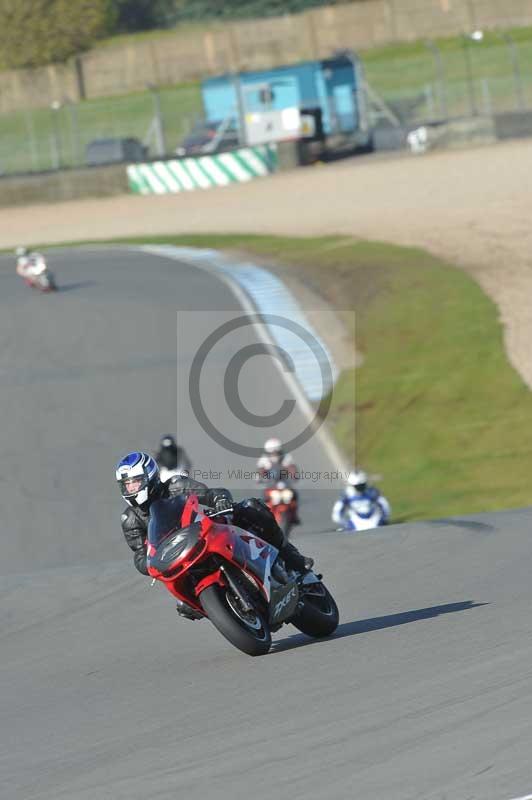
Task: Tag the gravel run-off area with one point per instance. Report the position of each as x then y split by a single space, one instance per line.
471 207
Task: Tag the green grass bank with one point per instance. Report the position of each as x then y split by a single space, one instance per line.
440 412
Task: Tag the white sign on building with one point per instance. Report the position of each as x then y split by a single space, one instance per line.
272 126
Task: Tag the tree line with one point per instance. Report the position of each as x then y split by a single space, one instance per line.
36 32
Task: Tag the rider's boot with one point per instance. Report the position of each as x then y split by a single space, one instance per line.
294 559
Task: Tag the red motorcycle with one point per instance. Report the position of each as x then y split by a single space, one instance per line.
281 501
232 577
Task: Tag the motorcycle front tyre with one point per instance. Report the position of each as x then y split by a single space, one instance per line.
248 632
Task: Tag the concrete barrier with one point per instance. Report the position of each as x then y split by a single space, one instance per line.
53 187
202 172
513 125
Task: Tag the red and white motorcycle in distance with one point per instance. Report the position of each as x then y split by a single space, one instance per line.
232 577
281 501
36 274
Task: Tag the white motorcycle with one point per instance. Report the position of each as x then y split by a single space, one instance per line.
361 513
37 275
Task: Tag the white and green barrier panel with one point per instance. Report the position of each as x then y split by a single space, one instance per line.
203 172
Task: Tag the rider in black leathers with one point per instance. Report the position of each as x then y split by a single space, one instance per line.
251 514
171 455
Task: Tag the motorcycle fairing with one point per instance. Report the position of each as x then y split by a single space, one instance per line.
283 602
363 508
358 523
168 546
176 546
246 550
310 578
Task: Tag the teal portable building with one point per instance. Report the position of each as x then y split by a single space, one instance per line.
332 87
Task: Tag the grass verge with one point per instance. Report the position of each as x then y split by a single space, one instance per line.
439 410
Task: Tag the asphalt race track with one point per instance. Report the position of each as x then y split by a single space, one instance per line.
425 690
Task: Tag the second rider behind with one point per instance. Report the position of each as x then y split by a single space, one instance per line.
137 475
172 456
358 489
275 465
275 461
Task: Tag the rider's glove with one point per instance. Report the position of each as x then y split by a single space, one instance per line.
222 504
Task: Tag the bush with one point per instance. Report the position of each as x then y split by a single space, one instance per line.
204 9
35 32
142 15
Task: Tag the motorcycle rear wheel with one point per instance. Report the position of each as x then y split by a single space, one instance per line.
248 632
318 616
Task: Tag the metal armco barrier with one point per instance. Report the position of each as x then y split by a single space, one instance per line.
204 172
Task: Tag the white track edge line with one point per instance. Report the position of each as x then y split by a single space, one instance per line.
329 445
337 458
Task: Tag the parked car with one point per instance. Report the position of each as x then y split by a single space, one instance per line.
115 151
209 137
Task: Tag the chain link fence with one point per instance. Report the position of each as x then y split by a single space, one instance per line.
477 74
444 101
58 137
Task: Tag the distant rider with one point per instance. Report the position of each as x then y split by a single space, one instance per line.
138 478
172 456
275 466
30 263
357 489
274 463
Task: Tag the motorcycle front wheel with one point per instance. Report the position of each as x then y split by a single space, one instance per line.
47 283
247 631
318 613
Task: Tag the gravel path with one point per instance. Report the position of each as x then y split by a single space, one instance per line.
471 206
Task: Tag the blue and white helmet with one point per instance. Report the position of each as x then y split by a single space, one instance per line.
357 480
137 475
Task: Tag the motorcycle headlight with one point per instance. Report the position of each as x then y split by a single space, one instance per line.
174 546
275 497
287 496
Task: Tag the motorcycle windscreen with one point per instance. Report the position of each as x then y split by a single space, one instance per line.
167 540
165 517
